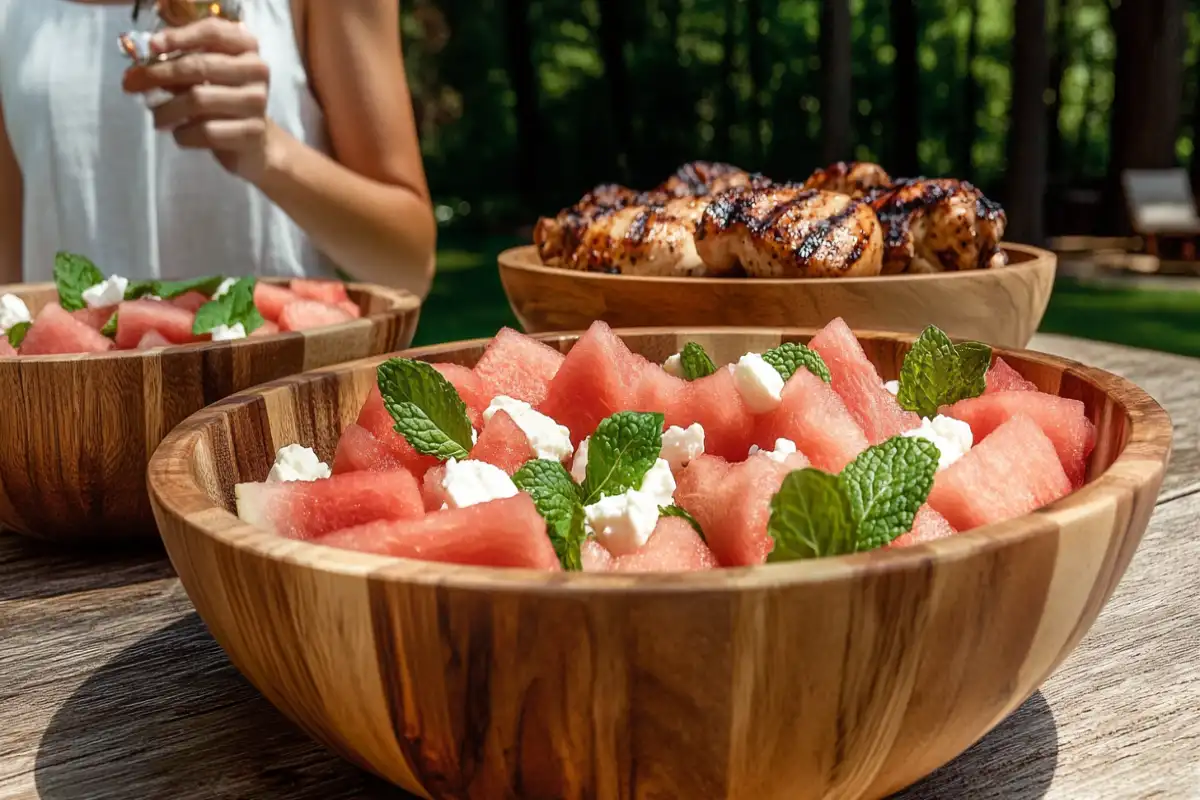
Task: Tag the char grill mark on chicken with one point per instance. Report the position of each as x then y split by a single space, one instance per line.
642 240
704 178
855 178
557 237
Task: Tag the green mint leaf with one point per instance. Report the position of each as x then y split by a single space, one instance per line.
789 357
16 334
622 450
426 407
110 327
810 517
236 305
886 485
676 511
695 362
138 289
557 499
74 275
936 372
168 290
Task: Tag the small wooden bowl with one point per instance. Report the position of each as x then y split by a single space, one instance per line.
1002 307
77 431
844 677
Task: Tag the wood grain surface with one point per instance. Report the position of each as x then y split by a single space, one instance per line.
998 306
110 686
77 431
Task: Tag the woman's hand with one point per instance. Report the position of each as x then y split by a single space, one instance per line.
220 91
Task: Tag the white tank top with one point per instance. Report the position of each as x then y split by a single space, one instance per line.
100 181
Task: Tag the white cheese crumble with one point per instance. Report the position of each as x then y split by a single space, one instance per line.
674 365
13 311
759 384
952 437
469 483
224 288
108 292
681 445
579 463
892 386
624 522
548 439
225 333
783 449
296 462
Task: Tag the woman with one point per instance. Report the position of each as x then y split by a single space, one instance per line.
286 144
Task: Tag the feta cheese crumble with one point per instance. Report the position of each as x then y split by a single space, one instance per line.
579 463
674 365
469 483
892 386
624 522
225 333
224 288
783 449
952 437
296 462
108 292
681 445
548 439
759 384
13 311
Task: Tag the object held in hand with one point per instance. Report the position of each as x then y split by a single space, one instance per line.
173 14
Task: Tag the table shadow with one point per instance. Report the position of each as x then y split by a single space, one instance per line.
31 569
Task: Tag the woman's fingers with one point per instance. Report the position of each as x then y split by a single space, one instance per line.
212 101
222 134
198 68
213 35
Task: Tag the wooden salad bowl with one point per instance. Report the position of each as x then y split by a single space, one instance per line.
77 431
842 677
1002 306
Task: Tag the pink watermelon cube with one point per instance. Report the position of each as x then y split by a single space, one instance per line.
1063 420
135 318
376 420
433 494
1003 378
598 378
95 318
928 525
503 444
308 509
56 332
270 299
817 420
594 557
732 503
268 328
359 451
302 315
713 401
189 301
518 366
331 292
6 349
674 546
1012 472
471 388
152 339
857 382
500 533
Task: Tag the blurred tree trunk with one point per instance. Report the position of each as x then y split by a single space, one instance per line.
970 96
906 90
728 97
1025 197
521 75
759 49
836 80
1195 165
611 34
1059 59
1147 95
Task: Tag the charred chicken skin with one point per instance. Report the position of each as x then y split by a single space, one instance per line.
557 237
704 178
855 178
788 231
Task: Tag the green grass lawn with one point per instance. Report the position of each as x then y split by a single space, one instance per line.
467 301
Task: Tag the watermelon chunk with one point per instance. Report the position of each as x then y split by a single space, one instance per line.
359 451
594 557
137 317
1003 378
350 307
95 317
6 349
816 419
928 525
673 547
189 301
732 503
302 315
433 494
376 420
270 299
503 444
1063 420
268 328
598 378
56 332
152 339
331 292
471 388
857 382
518 366
500 533
1012 472
308 509
716 404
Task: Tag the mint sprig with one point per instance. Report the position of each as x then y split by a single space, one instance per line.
936 372
675 511
790 356
695 363
236 305
73 275
16 334
426 407
110 327
622 450
556 497
169 290
873 500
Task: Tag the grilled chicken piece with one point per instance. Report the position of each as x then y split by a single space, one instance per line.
642 240
787 231
855 178
558 237
938 225
701 178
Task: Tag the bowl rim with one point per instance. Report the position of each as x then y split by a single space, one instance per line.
402 301
1039 259
174 490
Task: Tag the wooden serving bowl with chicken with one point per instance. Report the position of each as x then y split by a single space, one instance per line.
715 245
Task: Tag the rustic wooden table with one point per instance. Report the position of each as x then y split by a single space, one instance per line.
110 686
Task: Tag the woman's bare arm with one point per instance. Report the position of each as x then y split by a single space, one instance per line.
11 204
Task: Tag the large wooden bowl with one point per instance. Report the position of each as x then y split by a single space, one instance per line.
1002 307
76 432
845 677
